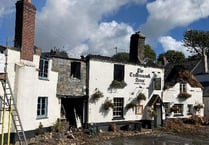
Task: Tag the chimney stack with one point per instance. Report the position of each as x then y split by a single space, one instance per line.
25 29
137 43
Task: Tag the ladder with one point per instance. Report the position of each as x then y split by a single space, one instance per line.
15 115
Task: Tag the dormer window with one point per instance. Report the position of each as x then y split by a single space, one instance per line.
183 88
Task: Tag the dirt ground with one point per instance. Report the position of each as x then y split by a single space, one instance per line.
81 137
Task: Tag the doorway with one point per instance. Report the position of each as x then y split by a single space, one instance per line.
75 111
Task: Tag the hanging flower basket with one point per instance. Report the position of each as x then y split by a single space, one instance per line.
98 94
198 106
130 105
184 95
108 104
152 112
141 96
117 84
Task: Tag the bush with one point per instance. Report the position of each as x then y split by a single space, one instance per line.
59 126
40 129
117 84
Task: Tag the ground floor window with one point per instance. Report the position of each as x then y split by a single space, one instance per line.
167 106
178 109
118 108
42 107
190 109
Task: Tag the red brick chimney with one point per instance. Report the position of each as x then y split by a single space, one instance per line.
25 29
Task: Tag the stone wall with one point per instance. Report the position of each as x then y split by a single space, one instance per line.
68 85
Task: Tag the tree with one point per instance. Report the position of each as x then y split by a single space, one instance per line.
122 56
149 54
197 42
171 56
59 53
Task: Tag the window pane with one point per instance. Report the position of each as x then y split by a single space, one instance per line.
118 72
42 107
118 108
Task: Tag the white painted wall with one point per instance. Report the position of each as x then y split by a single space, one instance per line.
171 95
101 75
27 87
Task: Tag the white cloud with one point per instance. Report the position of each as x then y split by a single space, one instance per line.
68 23
168 14
6 7
170 43
105 39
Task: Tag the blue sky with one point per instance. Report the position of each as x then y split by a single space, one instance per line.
95 26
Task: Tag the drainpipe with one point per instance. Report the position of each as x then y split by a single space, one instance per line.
205 61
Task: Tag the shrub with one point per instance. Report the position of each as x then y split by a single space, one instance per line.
40 129
117 84
184 95
59 126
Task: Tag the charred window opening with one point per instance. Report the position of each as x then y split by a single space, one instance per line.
118 72
76 70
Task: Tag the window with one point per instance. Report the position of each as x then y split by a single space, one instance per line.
76 70
157 83
118 108
183 88
167 106
42 107
190 109
118 72
43 68
178 109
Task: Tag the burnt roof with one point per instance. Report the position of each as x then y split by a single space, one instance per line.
180 73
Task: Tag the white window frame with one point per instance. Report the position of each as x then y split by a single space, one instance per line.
118 108
42 107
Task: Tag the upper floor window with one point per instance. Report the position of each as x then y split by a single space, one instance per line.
43 68
42 107
76 70
118 72
157 84
183 88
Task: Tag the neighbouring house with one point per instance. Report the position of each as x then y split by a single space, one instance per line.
32 80
71 88
183 94
200 71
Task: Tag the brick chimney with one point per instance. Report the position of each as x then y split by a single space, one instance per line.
25 28
136 54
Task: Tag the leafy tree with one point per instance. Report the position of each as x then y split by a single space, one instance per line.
197 42
149 54
59 53
122 56
171 56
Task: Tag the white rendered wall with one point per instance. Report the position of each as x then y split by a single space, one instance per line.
27 87
101 76
171 95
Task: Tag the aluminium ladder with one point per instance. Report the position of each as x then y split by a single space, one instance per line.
15 115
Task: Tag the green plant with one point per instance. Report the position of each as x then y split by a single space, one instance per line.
198 106
59 126
113 127
40 129
117 84
153 113
141 96
130 105
97 94
184 95
108 104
